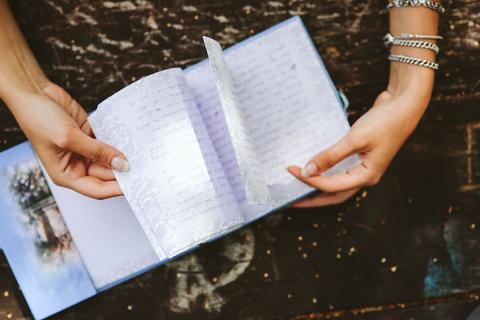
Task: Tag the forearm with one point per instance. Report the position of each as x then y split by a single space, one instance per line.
19 70
412 80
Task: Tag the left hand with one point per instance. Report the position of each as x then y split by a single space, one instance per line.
58 130
376 137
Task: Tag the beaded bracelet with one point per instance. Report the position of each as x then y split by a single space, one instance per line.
416 3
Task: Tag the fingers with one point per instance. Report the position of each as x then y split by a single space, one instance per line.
95 188
357 177
328 158
325 199
101 172
75 140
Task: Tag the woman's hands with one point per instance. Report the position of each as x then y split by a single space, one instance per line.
376 137
58 129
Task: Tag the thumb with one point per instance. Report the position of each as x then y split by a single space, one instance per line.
328 158
75 140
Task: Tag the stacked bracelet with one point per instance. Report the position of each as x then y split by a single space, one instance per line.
414 40
416 3
413 60
409 36
389 40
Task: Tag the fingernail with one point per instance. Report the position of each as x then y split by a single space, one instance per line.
119 164
309 170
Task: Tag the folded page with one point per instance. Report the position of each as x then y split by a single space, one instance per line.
250 170
36 242
169 186
289 104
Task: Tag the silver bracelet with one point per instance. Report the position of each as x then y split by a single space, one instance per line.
417 44
416 3
408 36
390 40
413 60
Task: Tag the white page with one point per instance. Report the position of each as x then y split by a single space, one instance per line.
250 170
290 107
168 187
107 234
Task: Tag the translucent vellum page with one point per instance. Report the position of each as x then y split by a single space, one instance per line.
250 169
289 105
169 186
201 81
225 196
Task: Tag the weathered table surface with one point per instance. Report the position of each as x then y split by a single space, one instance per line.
407 248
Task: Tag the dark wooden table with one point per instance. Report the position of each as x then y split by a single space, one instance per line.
405 249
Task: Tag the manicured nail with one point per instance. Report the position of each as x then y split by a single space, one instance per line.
119 164
309 170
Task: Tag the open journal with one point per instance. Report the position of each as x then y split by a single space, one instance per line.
208 148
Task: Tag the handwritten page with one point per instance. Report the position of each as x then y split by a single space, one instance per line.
169 186
250 170
288 103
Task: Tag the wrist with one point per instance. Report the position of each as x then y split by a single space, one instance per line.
19 70
411 80
19 74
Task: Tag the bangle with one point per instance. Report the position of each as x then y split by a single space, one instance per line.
390 40
411 36
416 3
407 36
413 60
